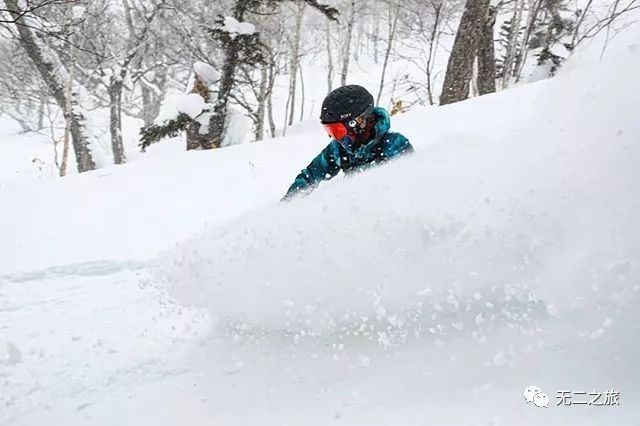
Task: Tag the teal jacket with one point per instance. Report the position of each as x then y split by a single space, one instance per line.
383 146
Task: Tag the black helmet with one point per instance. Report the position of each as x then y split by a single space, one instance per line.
345 103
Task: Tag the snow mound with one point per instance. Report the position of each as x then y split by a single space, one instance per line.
235 27
541 213
206 72
191 104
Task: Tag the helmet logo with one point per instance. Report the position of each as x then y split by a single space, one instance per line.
343 116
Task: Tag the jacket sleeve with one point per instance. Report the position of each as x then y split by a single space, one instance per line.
396 146
324 167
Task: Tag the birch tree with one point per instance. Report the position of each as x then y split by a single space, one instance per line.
346 48
393 16
512 44
136 39
53 75
328 43
294 63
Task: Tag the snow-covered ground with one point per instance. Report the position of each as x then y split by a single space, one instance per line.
503 254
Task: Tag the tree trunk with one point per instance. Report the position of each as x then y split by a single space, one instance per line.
151 98
65 139
115 121
358 40
555 26
376 31
272 123
272 78
195 138
434 39
473 83
148 103
460 65
295 63
302 93
230 63
286 114
41 108
512 45
393 24
329 57
524 45
221 108
263 92
486 55
46 70
346 56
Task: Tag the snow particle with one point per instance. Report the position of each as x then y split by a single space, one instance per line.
597 334
499 360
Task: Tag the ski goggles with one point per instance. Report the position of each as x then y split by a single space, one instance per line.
336 130
339 130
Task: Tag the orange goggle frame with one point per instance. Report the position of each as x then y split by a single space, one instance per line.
336 130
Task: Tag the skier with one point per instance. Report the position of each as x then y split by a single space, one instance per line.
359 134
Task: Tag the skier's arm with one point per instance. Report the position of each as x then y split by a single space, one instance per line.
397 146
325 166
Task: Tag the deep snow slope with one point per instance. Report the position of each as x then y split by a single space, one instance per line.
503 254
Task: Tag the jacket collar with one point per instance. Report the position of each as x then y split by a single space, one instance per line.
382 126
383 123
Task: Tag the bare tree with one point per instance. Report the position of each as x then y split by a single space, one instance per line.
247 63
375 37
62 167
346 50
393 15
294 63
614 12
512 44
532 19
23 96
116 82
55 84
301 93
263 91
329 55
235 48
434 40
421 27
